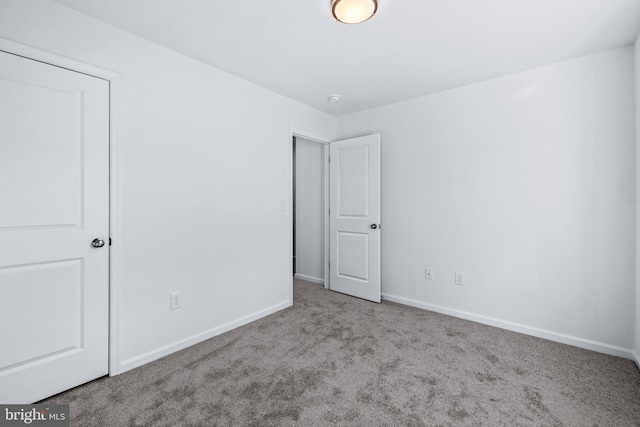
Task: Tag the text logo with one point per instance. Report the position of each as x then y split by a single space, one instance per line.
34 415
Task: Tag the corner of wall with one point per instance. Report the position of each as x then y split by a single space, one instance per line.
637 254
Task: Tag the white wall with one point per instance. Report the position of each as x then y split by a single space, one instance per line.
637 110
205 163
309 210
526 184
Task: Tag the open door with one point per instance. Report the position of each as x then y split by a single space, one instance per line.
355 217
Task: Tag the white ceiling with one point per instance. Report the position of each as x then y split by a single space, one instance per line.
410 48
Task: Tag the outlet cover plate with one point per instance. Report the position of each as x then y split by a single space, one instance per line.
428 273
176 300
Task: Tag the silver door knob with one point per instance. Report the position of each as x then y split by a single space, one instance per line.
373 226
97 243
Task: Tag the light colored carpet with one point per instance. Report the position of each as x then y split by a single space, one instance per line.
336 360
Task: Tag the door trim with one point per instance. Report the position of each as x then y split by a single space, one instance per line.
325 141
115 88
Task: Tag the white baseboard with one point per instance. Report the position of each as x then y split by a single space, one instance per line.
523 329
636 357
309 278
150 356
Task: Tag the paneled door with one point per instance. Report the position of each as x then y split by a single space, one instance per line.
54 228
354 218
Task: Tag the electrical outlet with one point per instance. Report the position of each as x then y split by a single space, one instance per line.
176 300
459 278
428 273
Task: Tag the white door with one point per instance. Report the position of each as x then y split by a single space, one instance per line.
54 201
354 219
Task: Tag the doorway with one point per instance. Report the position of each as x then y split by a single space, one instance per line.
309 210
351 216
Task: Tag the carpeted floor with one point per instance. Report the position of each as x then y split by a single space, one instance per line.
336 360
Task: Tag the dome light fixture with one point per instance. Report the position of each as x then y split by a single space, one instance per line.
334 98
353 11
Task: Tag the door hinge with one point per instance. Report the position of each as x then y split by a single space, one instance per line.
109 241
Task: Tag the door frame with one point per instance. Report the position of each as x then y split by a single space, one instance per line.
295 132
115 88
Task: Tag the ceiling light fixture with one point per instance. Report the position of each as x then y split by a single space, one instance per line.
353 11
334 98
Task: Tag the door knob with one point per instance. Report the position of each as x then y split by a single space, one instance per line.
373 226
97 243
